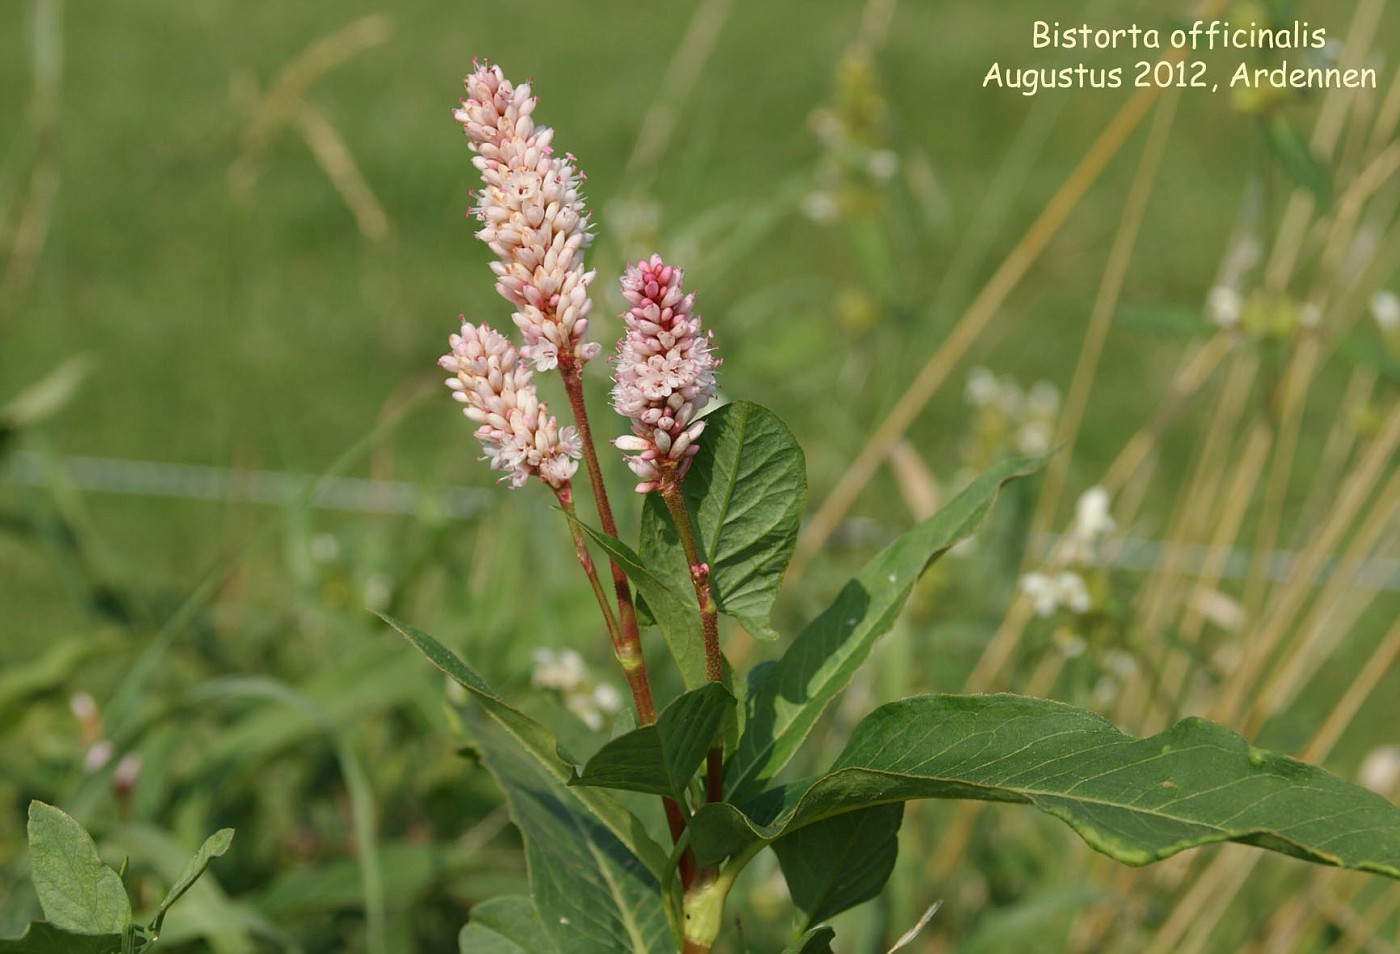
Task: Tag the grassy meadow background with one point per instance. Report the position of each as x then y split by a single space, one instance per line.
233 235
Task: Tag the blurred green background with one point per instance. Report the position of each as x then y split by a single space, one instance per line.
250 225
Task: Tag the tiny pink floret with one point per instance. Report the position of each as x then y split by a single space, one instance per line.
664 372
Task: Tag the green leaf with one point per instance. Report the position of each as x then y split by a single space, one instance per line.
539 744
214 846
785 698
673 608
43 938
76 890
1136 800
839 862
1293 154
508 925
744 492
816 941
593 895
663 757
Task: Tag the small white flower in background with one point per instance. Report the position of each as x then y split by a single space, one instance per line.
98 755
1092 522
1224 306
583 707
1045 596
1048 593
882 165
1010 398
1385 309
125 774
1034 437
664 372
83 706
1091 516
1309 315
1380 770
819 206
562 671
982 387
1073 594
1022 419
607 698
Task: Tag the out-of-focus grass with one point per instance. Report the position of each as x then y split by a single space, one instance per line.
271 334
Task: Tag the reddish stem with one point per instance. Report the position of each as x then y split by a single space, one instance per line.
709 614
629 649
628 644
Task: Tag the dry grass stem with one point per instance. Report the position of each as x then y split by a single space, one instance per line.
335 160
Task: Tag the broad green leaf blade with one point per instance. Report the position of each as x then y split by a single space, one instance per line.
744 492
839 862
76 890
214 846
592 894
43 938
816 941
508 925
541 746
1135 800
663 757
1297 159
674 609
784 702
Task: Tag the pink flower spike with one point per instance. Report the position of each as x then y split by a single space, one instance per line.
532 218
520 436
664 374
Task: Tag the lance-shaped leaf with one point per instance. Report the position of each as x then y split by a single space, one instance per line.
593 895
1136 800
214 846
674 609
744 492
663 757
76 890
43 938
539 743
505 925
786 697
837 863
